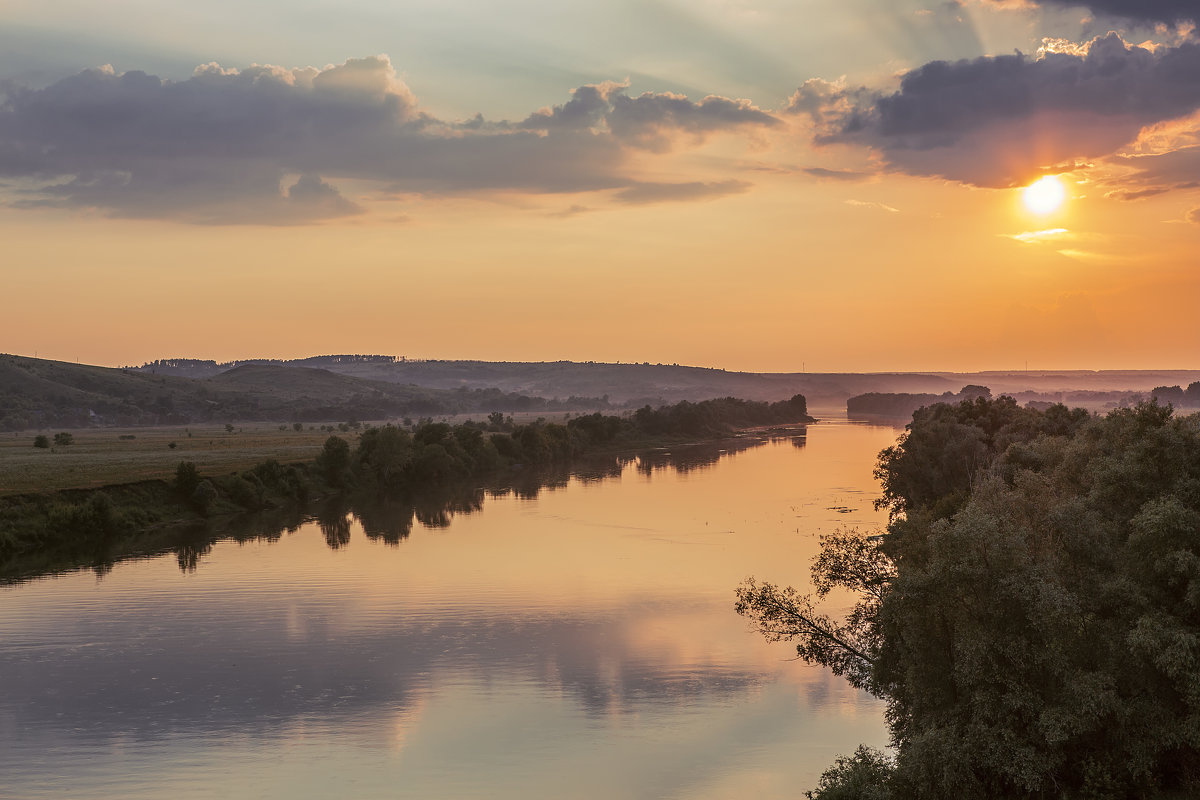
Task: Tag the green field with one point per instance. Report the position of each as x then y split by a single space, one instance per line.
100 457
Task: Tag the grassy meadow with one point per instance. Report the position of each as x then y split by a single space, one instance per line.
101 457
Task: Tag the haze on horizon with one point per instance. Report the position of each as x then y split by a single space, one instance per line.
758 186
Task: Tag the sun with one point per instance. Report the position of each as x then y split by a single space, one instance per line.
1044 195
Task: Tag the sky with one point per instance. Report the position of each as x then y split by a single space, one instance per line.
826 185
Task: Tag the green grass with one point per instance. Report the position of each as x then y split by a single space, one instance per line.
99 457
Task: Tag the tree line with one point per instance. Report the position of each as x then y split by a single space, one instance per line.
380 461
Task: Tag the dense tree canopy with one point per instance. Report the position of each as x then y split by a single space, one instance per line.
1032 615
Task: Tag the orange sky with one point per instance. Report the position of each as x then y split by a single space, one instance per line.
865 224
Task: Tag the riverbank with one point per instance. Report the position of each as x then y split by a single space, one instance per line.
381 461
101 457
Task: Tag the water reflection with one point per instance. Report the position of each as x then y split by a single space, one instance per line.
569 636
389 519
683 459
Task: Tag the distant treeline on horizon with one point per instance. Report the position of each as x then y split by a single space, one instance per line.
903 404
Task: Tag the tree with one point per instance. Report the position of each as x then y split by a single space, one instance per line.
1034 626
41 441
1168 395
334 461
203 496
383 455
187 478
1192 394
63 439
866 775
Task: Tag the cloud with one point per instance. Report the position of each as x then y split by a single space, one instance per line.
654 121
1130 195
1000 121
870 204
227 145
1194 216
836 174
642 193
1157 173
587 108
571 211
1147 11
319 198
1037 236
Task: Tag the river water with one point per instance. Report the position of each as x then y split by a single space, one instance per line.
573 642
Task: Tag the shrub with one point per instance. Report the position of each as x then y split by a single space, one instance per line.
187 478
203 496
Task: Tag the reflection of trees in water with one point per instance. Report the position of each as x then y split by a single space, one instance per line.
386 519
687 458
797 440
333 518
602 468
389 518
189 553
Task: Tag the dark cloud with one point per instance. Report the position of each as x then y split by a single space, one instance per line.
641 193
312 193
1148 11
654 121
999 121
587 108
1129 195
267 144
1158 173
836 174
651 121
571 211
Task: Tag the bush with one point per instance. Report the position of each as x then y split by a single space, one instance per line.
334 460
187 478
245 490
63 439
203 496
41 441
862 776
95 517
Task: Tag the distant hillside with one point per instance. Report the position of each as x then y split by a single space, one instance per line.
625 384
40 393
636 384
901 405
36 393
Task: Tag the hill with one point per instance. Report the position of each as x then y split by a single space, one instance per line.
38 393
637 384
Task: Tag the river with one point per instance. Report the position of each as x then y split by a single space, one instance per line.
576 641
